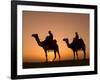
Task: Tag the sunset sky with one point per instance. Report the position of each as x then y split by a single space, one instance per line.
62 25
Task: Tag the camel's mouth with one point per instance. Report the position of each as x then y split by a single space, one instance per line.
64 39
32 35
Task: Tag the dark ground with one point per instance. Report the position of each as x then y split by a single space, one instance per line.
56 64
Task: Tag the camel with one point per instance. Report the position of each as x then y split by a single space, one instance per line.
47 47
80 45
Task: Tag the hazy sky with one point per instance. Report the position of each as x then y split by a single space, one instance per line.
62 25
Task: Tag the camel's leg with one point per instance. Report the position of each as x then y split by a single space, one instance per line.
46 56
77 55
74 55
58 54
54 55
84 54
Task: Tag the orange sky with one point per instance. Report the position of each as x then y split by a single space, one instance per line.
62 25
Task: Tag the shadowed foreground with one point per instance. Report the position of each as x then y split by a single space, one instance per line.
56 64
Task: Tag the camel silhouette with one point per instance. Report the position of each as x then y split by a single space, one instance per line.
76 46
47 46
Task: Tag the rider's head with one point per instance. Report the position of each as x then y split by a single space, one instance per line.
76 33
49 32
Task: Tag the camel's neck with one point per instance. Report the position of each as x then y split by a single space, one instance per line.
68 44
38 40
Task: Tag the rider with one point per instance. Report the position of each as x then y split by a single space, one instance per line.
49 38
76 37
50 35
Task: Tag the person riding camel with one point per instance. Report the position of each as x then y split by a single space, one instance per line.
76 37
50 35
49 38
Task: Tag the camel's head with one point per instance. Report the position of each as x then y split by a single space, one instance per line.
34 35
65 39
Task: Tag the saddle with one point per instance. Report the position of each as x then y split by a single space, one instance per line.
49 41
78 42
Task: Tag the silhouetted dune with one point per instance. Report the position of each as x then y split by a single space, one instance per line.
56 64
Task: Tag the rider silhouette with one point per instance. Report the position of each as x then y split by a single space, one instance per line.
50 35
76 37
49 38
